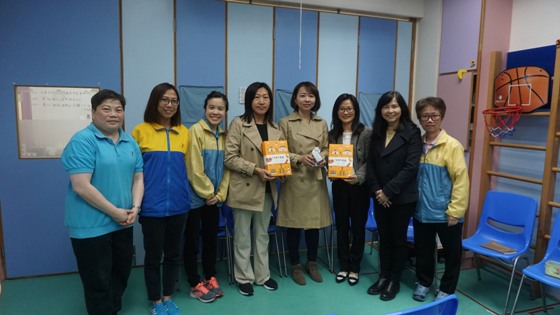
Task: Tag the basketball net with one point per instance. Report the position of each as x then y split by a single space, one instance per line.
501 120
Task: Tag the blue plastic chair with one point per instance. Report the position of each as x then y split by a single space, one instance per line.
226 216
446 306
507 219
371 224
537 271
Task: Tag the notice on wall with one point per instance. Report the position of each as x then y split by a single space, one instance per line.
48 116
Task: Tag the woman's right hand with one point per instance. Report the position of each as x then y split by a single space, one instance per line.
264 175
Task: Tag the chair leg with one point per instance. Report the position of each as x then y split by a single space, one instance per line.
543 298
517 295
284 253
278 253
510 284
477 264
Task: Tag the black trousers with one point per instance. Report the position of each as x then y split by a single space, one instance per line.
351 205
104 263
392 224
163 237
203 221
293 237
425 246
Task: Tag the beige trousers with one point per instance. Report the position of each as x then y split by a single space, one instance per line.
244 272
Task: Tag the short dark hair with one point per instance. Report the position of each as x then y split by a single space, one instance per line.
434 101
250 93
311 88
105 94
336 123
379 124
216 94
151 114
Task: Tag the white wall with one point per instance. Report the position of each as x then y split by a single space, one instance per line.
426 63
534 24
403 8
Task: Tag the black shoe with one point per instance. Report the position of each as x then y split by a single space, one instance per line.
390 291
378 286
270 285
246 289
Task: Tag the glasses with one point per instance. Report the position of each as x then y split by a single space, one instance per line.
166 101
348 110
433 117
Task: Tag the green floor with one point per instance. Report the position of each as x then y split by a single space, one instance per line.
63 295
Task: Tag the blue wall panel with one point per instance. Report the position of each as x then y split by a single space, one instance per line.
148 52
63 42
377 55
249 50
287 70
404 51
201 31
338 57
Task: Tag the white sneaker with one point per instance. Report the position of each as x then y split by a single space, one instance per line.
440 295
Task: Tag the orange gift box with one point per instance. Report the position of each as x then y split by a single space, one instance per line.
277 157
341 160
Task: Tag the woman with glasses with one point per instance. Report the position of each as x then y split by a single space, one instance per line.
443 184
350 195
164 143
392 167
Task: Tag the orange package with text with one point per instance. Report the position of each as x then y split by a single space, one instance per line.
277 157
341 160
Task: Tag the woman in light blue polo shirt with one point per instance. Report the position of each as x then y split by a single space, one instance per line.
105 191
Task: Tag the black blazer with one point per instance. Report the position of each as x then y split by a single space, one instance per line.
394 168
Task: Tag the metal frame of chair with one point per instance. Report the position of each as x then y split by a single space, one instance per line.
537 271
506 218
446 306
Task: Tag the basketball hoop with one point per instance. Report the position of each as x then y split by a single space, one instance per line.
501 120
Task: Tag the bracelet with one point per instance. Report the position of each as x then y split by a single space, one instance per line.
135 206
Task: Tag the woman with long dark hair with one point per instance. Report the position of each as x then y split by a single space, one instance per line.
392 168
350 195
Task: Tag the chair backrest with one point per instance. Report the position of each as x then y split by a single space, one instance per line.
227 215
371 224
446 306
508 216
553 249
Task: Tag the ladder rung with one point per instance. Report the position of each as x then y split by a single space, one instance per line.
519 146
515 177
554 204
556 169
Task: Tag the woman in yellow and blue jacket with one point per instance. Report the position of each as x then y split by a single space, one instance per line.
443 185
164 143
209 187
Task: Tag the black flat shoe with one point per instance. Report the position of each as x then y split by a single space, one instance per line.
353 279
341 276
390 291
378 286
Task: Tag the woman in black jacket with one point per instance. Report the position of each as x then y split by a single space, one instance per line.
392 167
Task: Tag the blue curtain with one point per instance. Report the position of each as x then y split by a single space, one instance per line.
368 102
282 106
192 102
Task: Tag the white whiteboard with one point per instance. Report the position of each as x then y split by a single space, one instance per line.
48 116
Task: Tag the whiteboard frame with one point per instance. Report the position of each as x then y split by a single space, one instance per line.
72 97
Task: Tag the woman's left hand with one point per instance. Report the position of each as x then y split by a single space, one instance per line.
352 179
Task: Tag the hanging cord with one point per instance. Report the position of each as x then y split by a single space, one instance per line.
300 18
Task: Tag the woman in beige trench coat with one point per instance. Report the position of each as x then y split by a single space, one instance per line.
252 190
304 200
